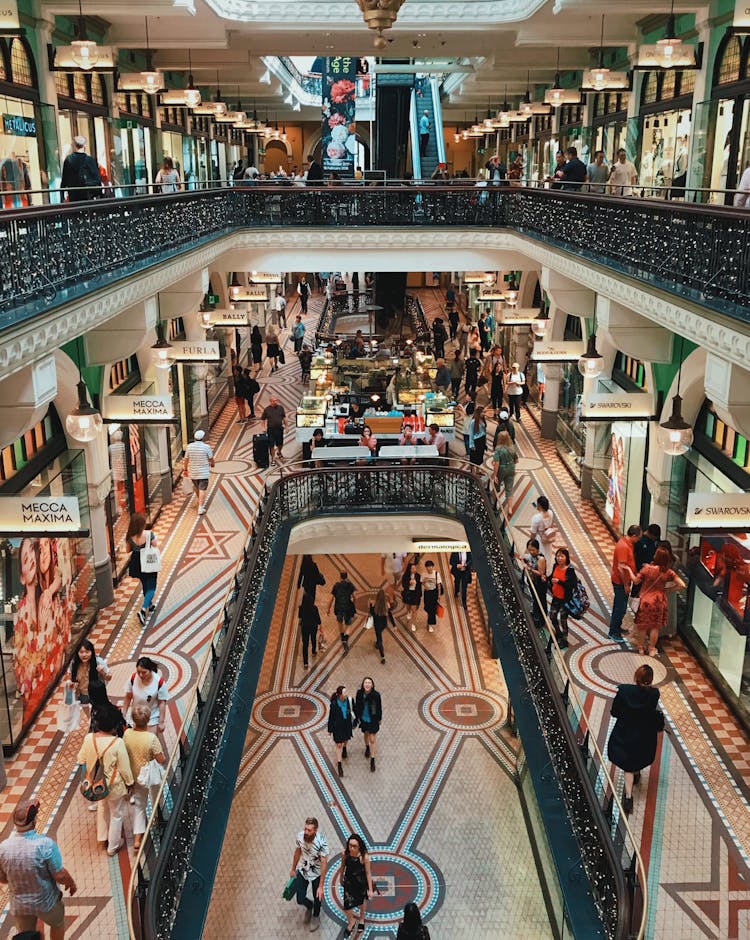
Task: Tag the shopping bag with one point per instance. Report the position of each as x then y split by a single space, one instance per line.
151 774
370 622
282 357
440 610
633 604
150 557
68 716
290 889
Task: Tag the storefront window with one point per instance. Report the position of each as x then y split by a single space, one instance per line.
48 593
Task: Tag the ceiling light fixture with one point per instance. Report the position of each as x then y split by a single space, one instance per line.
667 53
591 364
379 15
601 78
85 52
161 348
192 94
151 79
675 436
557 95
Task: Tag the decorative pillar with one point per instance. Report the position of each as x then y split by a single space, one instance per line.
552 378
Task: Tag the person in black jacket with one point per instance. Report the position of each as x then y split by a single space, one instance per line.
471 375
314 172
411 591
341 723
309 621
562 581
368 710
411 927
632 744
80 174
380 611
250 390
461 571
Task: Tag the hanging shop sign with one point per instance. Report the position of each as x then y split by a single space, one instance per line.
741 14
439 545
619 406
19 126
189 351
519 317
263 277
718 511
9 15
491 297
242 295
138 409
43 514
228 317
557 352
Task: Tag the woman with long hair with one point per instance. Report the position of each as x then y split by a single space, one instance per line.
544 529
356 881
411 591
411 927
138 538
340 724
368 710
89 673
655 579
256 347
379 611
562 581
477 436
272 346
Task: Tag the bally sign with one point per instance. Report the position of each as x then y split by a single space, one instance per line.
718 511
228 317
557 352
623 406
741 14
138 408
39 514
187 351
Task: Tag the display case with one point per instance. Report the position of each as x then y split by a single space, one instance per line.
311 414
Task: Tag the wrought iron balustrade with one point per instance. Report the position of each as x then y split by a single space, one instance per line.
50 254
174 868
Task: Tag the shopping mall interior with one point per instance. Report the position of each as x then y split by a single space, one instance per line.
350 354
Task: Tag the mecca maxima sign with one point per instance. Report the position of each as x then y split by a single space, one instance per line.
138 408
557 352
187 351
41 514
622 406
718 511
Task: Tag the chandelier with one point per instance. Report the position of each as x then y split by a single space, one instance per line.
379 15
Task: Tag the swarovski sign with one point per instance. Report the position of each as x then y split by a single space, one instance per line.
718 511
41 514
623 406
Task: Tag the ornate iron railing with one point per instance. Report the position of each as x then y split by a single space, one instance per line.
171 869
51 254
417 319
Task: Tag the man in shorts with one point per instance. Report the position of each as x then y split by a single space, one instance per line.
199 458
31 865
342 601
274 417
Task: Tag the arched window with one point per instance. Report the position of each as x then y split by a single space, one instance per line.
728 61
687 82
650 92
80 91
98 91
22 71
3 69
62 84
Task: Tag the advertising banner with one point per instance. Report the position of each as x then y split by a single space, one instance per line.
338 138
623 406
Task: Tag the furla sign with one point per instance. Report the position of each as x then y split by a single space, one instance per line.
718 511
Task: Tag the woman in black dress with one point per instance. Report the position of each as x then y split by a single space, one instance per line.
632 744
256 346
309 621
356 880
341 723
368 710
411 591
310 579
379 611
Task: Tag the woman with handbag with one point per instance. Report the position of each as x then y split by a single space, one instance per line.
341 723
139 540
356 882
477 437
562 582
651 603
147 687
368 710
103 747
146 760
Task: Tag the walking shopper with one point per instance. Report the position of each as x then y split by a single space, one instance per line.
147 687
142 746
456 368
368 710
473 365
32 867
310 576
411 592
251 389
303 289
309 866
279 306
411 927
468 410
238 380
89 673
562 582
274 418
623 567
543 529
514 390
197 463
503 424
496 376
309 621
505 459
379 612
256 346
298 334
477 436
432 587
392 567
535 566
138 538
273 349
461 570
655 580
341 724
105 748
632 744
342 601
356 882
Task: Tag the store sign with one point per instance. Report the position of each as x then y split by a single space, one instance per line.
741 14
557 352
43 514
519 317
718 511
620 406
9 14
228 317
439 545
138 408
19 126
187 351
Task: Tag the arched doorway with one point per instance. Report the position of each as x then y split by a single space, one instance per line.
276 157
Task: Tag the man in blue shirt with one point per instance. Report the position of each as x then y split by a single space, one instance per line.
573 172
424 133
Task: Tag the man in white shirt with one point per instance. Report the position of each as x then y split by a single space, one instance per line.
199 458
622 175
279 305
742 197
303 289
393 566
514 390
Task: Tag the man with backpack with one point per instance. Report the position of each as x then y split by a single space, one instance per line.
80 174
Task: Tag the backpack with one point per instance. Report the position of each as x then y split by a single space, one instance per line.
579 601
88 173
94 786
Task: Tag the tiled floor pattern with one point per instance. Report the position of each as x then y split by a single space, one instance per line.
443 778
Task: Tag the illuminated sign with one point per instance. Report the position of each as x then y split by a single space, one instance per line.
39 514
557 352
19 126
718 511
138 408
9 15
622 406
439 545
187 350
228 317
519 317
263 277
741 14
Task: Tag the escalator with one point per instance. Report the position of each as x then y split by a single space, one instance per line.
425 98
392 123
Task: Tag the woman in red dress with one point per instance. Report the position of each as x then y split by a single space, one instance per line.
655 580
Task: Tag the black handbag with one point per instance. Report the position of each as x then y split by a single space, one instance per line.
281 356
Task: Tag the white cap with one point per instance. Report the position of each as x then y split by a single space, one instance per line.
503 415
199 435
79 142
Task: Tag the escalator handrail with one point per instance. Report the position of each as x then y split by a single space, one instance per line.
416 159
437 118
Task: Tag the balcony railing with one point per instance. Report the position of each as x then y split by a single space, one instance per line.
173 873
53 254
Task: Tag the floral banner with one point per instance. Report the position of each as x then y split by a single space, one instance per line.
339 140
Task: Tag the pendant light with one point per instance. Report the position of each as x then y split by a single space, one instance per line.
557 95
151 79
162 354
667 53
216 108
192 94
601 78
85 52
84 423
539 326
675 436
591 364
